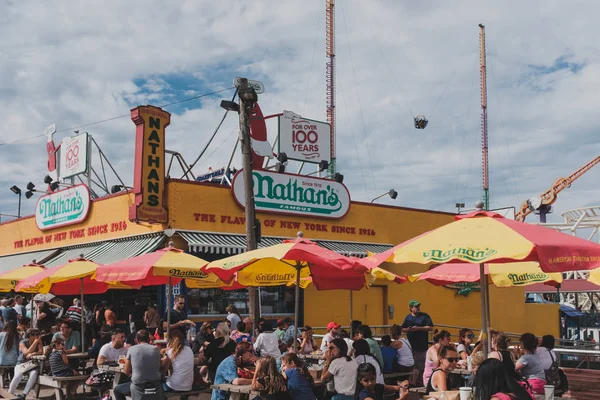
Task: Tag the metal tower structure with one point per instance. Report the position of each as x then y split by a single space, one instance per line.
484 134
330 74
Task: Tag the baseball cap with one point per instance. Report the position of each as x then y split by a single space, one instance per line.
332 325
414 303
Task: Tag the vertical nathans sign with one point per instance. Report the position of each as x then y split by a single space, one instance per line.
149 171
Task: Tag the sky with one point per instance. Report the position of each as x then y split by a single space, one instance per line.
77 64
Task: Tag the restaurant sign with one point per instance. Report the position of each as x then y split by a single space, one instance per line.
64 207
294 194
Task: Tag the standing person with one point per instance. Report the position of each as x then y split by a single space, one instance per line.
364 332
268 381
233 316
362 354
333 329
417 325
19 307
179 318
298 379
494 383
45 317
218 350
267 343
137 315
529 364
439 381
465 339
151 318
341 368
291 333
111 351
179 360
143 365
227 370
29 347
109 315
74 313
9 313
432 361
9 344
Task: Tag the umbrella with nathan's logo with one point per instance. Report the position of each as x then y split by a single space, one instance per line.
486 237
9 279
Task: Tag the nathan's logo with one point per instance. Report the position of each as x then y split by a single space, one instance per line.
187 274
274 278
527 278
294 194
461 253
149 179
64 207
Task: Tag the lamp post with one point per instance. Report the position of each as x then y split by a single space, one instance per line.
16 190
248 98
392 193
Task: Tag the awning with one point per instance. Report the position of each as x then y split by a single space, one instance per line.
227 244
109 251
570 311
14 261
567 286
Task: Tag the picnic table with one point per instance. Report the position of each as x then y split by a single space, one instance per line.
238 392
117 370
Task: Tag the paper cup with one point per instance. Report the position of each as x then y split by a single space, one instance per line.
549 392
465 393
469 365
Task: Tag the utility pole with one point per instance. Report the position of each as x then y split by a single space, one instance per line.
484 120
248 98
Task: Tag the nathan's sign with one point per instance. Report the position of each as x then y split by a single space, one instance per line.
294 194
528 278
303 139
149 170
64 207
459 253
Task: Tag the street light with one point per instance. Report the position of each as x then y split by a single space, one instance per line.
16 190
392 193
230 105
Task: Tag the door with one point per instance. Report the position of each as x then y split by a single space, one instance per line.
368 307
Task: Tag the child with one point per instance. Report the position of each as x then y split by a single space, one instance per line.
59 364
268 381
388 353
298 379
372 390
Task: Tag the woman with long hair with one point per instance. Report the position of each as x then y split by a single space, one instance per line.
405 361
203 337
151 318
268 381
500 344
493 382
362 354
28 347
9 344
439 380
529 364
298 380
218 350
341 368
233 316
179 359
441 339
59 364
465 339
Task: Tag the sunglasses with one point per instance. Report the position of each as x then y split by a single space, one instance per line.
181 304
471 336
453 359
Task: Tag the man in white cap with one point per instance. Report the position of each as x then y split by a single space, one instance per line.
332 333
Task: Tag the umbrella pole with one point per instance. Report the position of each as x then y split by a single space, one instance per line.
169 288
484 321
296 307
350 325
82 316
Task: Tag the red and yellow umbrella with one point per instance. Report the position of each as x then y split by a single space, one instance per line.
9 279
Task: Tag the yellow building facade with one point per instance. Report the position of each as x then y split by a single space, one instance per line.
206 220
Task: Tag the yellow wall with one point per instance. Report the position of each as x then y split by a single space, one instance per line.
202 207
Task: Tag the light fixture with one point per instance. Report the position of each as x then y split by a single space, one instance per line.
28 195
48 179
230 105
323 165
392 193
117 188
54 186
248 95
17 190
282 160
339 178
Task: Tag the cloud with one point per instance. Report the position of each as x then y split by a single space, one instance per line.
73 64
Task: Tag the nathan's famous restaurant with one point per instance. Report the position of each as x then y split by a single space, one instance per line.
207 220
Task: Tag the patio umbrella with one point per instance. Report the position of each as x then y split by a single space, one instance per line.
72 278
501 275
281 263
481 237
594 277
9 279
162 267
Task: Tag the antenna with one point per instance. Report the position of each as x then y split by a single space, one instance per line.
484 134
330 74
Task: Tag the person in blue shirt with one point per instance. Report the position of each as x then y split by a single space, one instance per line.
299 381
227 370
388 353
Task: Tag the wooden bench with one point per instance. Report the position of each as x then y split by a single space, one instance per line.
182 395
58 383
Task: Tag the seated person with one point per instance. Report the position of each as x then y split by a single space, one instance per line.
111 351
72 340
371 390
59 363
227 371
439 380
179 360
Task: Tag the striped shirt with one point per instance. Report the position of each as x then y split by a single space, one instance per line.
57 365
74 314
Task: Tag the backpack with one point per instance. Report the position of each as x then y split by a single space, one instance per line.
556 377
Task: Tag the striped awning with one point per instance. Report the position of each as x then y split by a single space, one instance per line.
109 251
14 261
227 244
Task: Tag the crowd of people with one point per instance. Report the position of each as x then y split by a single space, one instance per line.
269 356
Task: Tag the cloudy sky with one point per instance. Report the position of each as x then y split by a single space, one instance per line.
76 63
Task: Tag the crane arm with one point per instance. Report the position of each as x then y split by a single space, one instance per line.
549 196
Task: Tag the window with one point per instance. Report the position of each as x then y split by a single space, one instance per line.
274 300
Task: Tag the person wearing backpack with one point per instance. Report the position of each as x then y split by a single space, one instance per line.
549 361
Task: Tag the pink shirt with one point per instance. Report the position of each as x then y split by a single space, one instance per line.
429 367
